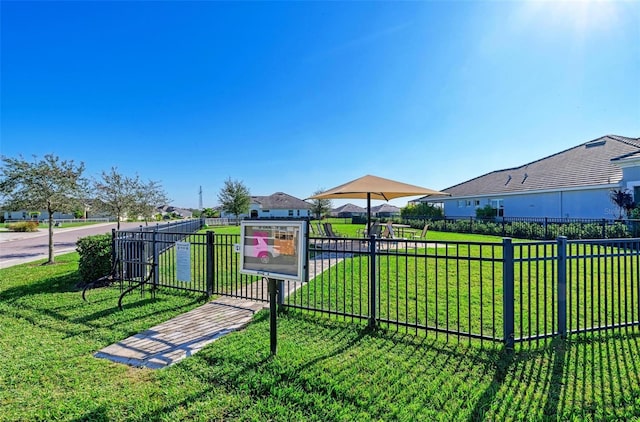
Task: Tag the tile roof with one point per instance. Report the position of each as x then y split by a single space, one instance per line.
589 164
385 208
349 208
280 201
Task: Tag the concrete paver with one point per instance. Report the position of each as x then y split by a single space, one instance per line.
186 334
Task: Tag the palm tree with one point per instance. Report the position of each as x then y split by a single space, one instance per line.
623 199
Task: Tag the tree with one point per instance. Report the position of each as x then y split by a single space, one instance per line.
210 213
148 197
623 199
320 207
486 212
48 184
234 197
116 193
422 210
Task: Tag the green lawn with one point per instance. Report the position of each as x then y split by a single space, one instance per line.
325 370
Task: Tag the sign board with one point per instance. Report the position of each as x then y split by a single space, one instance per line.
183 257
274 249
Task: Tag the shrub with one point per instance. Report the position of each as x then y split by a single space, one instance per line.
486 212
95 257
23 226
617 230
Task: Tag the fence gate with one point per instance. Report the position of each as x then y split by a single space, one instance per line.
151 259
205 263
225 268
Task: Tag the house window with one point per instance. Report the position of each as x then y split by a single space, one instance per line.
476 202
298 213
636 194
290 213
498 205
265 210
460 204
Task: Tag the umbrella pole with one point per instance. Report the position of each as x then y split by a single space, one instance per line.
368 211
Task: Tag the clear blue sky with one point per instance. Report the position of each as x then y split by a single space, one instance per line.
300 96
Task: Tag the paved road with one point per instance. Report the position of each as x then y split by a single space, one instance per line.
18 248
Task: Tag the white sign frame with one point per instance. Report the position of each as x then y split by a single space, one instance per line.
274 248
183 261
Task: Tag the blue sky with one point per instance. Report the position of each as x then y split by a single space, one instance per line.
301 96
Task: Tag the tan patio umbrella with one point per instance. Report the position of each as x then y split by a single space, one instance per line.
373 187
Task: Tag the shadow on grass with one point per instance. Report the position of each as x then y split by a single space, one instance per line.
58 284
593 376
327 371
32 302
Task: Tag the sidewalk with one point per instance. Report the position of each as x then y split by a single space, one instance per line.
184 335
9 236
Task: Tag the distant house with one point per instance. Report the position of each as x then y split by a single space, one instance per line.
171 210
576 183
41 215
348 211
385 211
278 205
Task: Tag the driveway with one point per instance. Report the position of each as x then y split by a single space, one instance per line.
18 248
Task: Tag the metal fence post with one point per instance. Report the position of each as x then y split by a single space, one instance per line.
155 262
372 282
562 286
508 293
546 228
114 255
210 262
273 308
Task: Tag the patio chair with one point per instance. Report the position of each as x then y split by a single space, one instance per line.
376 229
321 231
329 231
364 231
422 234
389 232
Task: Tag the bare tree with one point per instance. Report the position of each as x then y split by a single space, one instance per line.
150 195
48 184
234 197
320 207
116 193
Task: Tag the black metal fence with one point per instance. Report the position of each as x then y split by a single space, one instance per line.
147 257
506 291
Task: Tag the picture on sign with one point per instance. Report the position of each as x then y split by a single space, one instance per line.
275 249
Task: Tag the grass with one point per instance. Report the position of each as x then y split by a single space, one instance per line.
351 230
325 370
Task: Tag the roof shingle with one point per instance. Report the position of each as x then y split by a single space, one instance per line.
588 164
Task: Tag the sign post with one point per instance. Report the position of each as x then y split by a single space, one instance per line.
276 251
273 309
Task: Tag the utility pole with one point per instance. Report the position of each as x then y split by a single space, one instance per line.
200 203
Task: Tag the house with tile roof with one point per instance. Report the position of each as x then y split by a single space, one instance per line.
348 211
385 211
277 205
575 183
